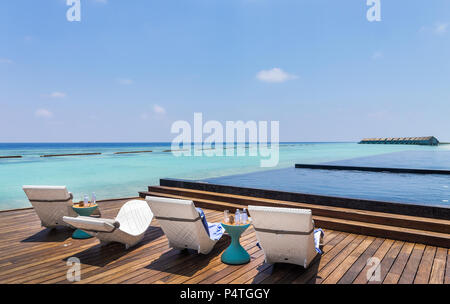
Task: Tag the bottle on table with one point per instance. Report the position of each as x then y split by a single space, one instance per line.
86 201
237 217
244 217
93 199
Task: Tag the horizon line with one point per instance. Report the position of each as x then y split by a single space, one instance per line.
156 142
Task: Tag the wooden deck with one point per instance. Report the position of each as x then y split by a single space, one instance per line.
31 254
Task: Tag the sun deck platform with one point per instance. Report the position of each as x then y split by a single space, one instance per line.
32 254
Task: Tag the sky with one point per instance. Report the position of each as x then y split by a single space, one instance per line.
129 69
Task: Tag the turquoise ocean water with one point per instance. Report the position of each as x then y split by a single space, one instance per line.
112 176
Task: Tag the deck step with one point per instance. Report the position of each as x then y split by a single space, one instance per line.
373 217
385 231
202 203
345 225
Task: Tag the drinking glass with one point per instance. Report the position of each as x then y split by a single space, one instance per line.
226 216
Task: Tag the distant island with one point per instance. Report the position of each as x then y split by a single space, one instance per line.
424 141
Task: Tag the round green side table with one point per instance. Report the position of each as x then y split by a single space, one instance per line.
235 254
83 211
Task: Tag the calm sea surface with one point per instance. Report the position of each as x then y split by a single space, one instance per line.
111 176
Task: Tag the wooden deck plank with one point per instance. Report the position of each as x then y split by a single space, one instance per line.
345 265
326 270
409 273
394 274
426 263
329 252
340 242
32 254
388 261
365 275
438 269
447 269
360 263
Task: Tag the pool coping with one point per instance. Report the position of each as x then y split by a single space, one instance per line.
371 169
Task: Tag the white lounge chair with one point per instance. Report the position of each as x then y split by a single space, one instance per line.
51 203
182 224
286 235
127 228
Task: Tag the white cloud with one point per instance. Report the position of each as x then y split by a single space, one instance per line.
6 60
57 95
43 113
125 81
159 110
377 55
274 75
441 28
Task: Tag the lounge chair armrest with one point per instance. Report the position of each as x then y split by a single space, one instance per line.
92 224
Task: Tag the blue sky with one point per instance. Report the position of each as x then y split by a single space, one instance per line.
129 69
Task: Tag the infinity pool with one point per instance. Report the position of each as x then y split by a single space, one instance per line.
432 190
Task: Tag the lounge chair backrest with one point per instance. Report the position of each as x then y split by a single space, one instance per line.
134 217
51 203
180 222
285 234
287 219
47 193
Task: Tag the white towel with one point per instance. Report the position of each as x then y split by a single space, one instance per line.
317 234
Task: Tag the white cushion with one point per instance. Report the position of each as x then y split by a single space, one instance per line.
92 224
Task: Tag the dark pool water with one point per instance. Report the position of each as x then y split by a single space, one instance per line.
405 188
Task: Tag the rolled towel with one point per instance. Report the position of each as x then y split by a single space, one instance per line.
318 233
